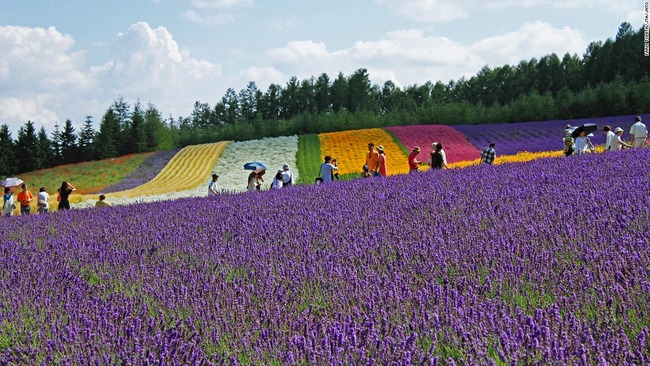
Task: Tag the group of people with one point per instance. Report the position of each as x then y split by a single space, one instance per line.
25 198
376 163
613 142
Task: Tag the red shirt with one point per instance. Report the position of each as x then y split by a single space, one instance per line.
413 162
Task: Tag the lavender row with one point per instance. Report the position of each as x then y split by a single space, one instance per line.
147 171
519 263
538 136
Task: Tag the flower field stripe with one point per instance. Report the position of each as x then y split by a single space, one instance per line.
88 177
274 152
478 266
187 169
512 138
520 157
308 159
351 147
146 171
457 147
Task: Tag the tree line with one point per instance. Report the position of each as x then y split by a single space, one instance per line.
611 78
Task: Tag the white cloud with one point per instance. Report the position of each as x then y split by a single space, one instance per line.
37 68
411 57
531 40
43 80
148 64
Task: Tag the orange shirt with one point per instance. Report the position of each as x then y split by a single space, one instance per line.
25 198
372 160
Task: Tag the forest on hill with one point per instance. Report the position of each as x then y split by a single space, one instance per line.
611 78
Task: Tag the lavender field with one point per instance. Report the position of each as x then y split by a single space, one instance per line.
543 262
512 138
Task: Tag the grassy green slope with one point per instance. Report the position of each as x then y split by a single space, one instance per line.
308 158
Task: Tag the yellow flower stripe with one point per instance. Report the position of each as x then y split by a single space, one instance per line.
189 168
520 157
351 148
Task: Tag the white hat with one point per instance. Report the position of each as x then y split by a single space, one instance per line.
285 167
618 129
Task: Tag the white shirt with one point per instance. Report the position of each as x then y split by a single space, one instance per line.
616 143
326 172
608 140
581 145
639 130
212 188
444 156
42 198
252 183
287 176
276 184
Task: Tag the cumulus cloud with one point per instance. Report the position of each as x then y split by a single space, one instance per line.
531 40
148 64
43 80
36 67
411 57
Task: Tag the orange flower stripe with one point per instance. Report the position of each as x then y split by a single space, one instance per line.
351 148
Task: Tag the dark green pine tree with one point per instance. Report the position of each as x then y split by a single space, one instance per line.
7 153
69 144
86 141
106 141
26 146
44 151
137 131
56 145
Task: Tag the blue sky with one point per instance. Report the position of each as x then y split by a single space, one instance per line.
72 58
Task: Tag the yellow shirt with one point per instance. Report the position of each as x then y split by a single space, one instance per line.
102 203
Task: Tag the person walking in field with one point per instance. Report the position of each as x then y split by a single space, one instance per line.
583 144
255 179
618 144
638 133
65 191
488 154
372 159
434 150
287 176
212 187
383 167
43 197
327 170
366 172
437 161
569 147
608 139
102 202
414 163
277 180
25 197
8 203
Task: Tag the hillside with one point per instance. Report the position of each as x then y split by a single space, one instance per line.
188 171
